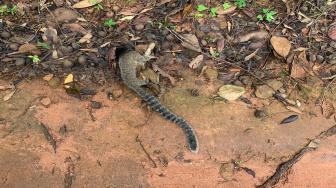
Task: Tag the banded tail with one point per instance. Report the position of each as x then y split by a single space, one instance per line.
155 104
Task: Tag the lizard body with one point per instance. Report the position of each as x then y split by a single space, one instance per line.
128 63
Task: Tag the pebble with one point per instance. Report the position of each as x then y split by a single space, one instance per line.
116 8
68 63
116 93
5 34
82 59
75 45
14 46
319 58
333 44
312 57
204 42
170 37
102 33
66 49
260 114
139 27
19 61
332 62
45 101
54 82
96 105
265 92
211 74
109 14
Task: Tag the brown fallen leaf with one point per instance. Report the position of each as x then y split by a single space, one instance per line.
86 3
86 38
190 41
9 95
164 74
332 32
75 27
230 10
300 66
220 45
29 48
281 45
256 35
196 62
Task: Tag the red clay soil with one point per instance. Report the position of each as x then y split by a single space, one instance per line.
106 153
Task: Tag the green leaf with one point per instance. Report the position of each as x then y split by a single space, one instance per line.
213 11
43 45
260 17
265 10
110 23
226 5
240 3
201 8
34 58
198 15
270 16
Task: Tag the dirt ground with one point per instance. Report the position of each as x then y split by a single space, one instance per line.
123 144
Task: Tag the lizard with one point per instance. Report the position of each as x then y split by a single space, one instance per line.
129 63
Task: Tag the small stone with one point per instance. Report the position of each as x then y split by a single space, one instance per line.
54 82
59 3
5 34
211 74
66 49
102 33
333 44
48 77
116 93
82 59
264 91
204 42
170 37
75 45
96 105
312 57
19 61
67 63
319 58
304 9
116 8
260 114
14 46
139 27
45 101
109 14
332 62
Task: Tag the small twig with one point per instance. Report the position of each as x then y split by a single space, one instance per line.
145 151
48 136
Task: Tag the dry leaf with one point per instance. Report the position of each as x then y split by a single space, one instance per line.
256 35
230 10
281 45
220 45
48 77
190 41
86 38
164 74
69 79
332 32
231 92
300 66
9 96
196 62
149 74
29 48
86 3
75 27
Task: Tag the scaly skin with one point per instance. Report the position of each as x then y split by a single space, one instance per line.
129 63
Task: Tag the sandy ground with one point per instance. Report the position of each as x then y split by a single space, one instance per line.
110 151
